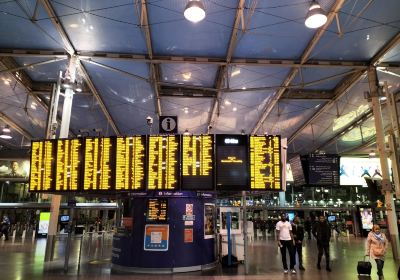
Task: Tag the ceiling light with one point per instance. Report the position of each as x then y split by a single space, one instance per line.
382 98
6 129
194 11
5 136
316 16
227 102
73 25
186 132
244 88
235 73
187 76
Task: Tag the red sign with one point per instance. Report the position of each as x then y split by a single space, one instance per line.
188 236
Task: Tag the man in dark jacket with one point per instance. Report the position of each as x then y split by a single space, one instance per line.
298 235
322 232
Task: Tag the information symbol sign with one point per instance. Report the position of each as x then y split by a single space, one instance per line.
168 124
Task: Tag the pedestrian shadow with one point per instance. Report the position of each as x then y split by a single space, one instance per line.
364 277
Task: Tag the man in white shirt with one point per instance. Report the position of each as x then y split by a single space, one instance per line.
285 241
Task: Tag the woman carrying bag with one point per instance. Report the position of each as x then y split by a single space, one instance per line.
377 244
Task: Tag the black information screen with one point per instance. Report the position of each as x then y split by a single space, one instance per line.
232 165
297 171
323 169
197 162
157 210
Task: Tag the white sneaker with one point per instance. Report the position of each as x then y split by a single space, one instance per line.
293 271
285 271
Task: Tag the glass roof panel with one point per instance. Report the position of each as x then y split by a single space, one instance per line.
42 73
189 74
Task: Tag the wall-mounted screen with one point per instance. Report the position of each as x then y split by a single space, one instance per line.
265 162
42 166
197 162
16 170
68 164
157 210
163 163
130 163
232 166
366 218
99 164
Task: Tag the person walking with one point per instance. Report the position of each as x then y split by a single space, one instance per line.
322 232
298 235
5 226
285 241
308 227
377 244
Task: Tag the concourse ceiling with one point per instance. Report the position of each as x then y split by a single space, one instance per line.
251 66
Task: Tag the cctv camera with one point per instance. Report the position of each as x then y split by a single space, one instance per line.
149 120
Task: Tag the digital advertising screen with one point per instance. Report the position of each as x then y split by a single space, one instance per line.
197 162
157 210
44 220
130 163
332 219
354 170
265 162
42 166
323 169
163 163
99 164
68 164
14 170
232 165
367 220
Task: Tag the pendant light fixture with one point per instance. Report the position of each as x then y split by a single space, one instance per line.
6 133
194 11
316 16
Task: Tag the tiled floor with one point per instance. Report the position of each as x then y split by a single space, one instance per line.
25 261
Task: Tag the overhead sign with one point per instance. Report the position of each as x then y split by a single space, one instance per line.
68 165
42 166
168 124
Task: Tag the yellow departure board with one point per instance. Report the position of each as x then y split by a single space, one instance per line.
42 166
163 163
265 163
68 165
130 163
197 162
157 210
98 167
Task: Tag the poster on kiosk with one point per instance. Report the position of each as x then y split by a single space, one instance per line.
236 234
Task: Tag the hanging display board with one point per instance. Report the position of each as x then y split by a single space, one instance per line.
163 163
68 164
197 162
265 163
42 166
130 163
99 164
232 162
323 169
299 178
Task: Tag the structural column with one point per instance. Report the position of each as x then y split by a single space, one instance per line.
380 141
70 78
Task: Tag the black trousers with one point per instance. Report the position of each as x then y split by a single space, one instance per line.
299 249
287 244
5 232
323 248
379 266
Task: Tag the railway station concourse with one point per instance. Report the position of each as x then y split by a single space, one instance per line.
165 139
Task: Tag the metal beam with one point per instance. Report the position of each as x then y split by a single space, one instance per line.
339 91
185 92
223 69
68 46
15 126
198 60
292 74
154 69
348 83
93 89
300 94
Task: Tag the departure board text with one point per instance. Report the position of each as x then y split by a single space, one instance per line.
265 163
157 210
163 163
130 163
197 162
68 165
98 171
42 166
